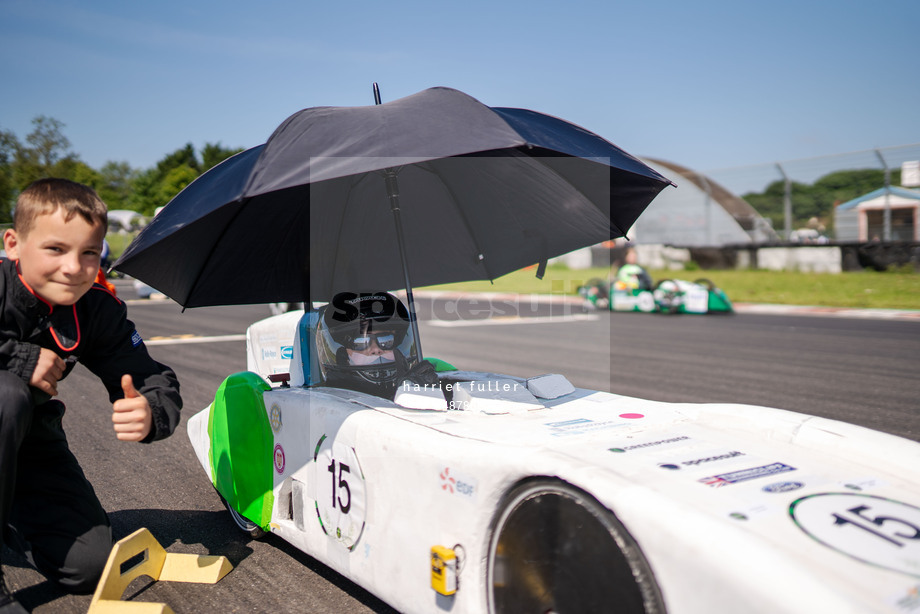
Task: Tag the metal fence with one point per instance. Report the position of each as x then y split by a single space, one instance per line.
742 180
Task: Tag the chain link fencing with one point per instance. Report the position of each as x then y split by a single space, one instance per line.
801 197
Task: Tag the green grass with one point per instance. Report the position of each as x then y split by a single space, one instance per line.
898 289
118 242
866 289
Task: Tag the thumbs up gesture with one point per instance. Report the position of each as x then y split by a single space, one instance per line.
131 416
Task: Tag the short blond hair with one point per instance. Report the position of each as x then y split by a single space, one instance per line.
46 196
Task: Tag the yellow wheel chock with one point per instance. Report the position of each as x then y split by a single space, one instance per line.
155 562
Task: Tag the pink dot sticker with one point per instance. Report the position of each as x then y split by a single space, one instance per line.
632 416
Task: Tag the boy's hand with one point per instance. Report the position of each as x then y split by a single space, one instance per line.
132 416
48 371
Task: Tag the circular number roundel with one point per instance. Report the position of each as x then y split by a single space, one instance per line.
341 497
646 302
872 529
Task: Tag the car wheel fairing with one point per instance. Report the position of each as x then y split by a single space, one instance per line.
554 548
244 524
241 450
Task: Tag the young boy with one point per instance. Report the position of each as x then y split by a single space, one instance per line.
51 316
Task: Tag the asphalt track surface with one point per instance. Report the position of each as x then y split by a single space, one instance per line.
863 371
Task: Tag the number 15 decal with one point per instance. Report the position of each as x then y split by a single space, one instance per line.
342 485
872 529
860 515
341 503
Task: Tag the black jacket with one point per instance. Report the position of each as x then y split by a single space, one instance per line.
96 332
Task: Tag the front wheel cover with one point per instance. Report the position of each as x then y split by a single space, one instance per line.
244 524
554 548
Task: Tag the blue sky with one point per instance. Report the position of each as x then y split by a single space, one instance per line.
706 84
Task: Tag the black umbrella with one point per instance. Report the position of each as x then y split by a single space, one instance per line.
476 192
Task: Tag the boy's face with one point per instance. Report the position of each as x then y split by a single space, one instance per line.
58 258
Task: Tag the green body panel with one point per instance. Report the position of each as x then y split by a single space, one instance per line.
440 365
719 302
241 452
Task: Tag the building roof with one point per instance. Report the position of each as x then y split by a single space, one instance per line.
894 191
700 212
734 205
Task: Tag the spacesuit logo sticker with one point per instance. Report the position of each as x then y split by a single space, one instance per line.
713 458
279 458
136 339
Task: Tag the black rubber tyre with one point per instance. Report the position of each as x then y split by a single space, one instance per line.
245 525
554 548
705 282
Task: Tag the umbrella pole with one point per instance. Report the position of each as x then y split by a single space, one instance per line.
393 193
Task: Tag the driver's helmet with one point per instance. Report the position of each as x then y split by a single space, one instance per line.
364 342
634 277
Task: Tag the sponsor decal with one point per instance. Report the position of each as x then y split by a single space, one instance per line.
623 301
136 339
782 487
709 459
447 482
743 475
287 352
875 530
457 483
274 417
279 458
862 483
751 512
269 353
565 423
910 602
632 416
699 461
581 426
649 444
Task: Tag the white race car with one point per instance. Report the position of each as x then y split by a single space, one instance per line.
531 495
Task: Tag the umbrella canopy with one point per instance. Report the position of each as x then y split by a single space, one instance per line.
478 192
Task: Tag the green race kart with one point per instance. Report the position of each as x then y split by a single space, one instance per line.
667 296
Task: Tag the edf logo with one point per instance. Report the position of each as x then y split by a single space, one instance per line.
455 483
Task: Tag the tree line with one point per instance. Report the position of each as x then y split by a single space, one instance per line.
818 200
46 152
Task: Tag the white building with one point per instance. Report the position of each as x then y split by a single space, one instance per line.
863 218
698 213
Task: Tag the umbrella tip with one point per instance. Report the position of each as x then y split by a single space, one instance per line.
376 93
